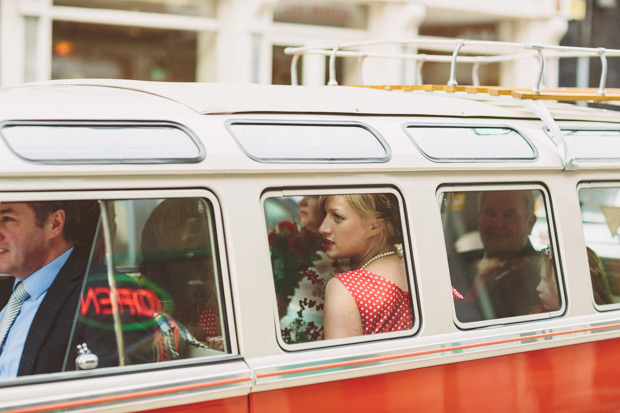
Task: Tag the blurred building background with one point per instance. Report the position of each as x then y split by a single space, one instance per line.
243 40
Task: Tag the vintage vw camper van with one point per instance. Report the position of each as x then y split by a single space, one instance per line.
205 266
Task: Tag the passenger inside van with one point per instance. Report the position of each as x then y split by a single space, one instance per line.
40 298
548 287
374 298
500 279
177 258
600 282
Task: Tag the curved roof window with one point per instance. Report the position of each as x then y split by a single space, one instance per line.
325 142
105 142
470 143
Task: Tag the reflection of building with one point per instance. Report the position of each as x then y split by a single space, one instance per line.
243 40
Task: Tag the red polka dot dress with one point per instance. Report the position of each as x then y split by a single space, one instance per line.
383 305
208 322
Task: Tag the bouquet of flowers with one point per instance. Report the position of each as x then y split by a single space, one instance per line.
292 253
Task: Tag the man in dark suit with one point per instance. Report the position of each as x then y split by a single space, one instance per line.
37 250
500 280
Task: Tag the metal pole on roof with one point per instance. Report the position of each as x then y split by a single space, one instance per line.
360 63
294 80
418 72
601 85
452 81
541 68
332 67
474 74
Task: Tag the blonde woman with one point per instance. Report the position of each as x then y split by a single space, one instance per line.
374 298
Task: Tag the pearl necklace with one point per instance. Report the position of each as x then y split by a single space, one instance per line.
376 257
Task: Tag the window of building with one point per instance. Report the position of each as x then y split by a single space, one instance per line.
322 13
84 50
203 8
316 241
600 213
501 254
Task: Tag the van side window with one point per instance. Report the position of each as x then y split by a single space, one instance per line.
500 254
319 247
600 213
157 297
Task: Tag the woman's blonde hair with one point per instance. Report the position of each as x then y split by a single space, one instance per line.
382 207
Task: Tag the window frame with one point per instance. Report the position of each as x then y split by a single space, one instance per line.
553 241
106 124
408 256
593 185
221 263
412 125
229 124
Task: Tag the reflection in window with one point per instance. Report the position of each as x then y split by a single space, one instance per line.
500 256
600 213
165 281
312 250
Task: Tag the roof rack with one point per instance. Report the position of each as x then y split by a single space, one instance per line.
533 98
523 51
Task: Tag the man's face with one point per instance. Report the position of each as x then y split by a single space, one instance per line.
23 245
504 223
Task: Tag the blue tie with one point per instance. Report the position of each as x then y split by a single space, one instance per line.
11 311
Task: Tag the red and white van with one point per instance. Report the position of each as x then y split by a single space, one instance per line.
243 157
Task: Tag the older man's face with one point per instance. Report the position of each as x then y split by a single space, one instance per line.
504 223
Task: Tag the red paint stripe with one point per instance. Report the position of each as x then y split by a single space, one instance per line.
426 352
121 397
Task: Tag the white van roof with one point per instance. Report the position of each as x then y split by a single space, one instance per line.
227 98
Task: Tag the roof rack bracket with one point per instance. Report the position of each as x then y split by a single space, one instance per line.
557 137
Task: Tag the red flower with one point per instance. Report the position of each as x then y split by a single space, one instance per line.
297 245
273 238
287 228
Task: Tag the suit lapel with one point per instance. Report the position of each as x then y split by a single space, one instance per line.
67 281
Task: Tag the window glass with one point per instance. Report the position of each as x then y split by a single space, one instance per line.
281 142
470 144
109 283
500 254
164 278
334 276
103 143
205 8
322 13
593 144
600 213
101 51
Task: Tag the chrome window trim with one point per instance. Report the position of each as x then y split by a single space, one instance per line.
386 158
413 125
222 266
409 265
553 239
103 124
